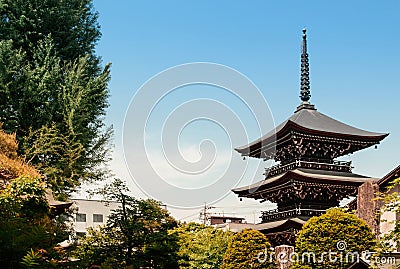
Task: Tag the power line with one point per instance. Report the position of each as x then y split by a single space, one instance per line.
191 215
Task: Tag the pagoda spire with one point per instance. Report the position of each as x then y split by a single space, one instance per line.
305 72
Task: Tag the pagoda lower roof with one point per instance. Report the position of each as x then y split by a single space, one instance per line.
308 120
303 175
280 225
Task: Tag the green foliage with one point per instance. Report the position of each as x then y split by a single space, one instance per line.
97 248
53 92
201 246
136 234
24 210
24 222
31 259
24 197
390 198
243 251
53 96
73 25
334 231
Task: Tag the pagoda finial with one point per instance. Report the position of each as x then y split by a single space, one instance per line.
305 72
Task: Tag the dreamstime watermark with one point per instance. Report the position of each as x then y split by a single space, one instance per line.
340 255
180 130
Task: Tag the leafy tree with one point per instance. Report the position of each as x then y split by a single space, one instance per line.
71 144
53 91
336 232
98 248
136 234
72 24
201 246
244 251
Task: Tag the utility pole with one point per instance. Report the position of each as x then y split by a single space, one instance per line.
204 215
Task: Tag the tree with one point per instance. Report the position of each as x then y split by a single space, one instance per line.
335 239
70 145
201 246
246 249
53 91
136 234
72 24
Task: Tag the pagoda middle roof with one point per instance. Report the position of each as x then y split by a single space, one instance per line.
320 176
309 120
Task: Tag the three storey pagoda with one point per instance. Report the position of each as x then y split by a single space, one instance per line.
307 178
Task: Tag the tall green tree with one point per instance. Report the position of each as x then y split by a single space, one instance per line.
53 90
72 24
135 236
201 246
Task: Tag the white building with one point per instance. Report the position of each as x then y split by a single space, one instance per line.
91 213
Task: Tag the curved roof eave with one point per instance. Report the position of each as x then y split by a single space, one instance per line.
304 174
312 121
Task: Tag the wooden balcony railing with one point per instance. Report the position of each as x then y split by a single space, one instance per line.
339 166
275 215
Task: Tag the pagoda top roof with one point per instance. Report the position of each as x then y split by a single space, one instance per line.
303 174
308 120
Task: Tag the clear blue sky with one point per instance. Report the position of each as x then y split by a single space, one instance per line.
354 49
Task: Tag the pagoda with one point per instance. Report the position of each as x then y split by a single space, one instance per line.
307 178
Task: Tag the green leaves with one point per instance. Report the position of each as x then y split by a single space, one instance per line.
243 251
24 222
335 231
57 112
31 259
73 25
390 199
51 81
201 246
53 96
136 234
24 197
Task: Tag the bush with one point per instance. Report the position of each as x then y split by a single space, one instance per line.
243 251
336 234
201 246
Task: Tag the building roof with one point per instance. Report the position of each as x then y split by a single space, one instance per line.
308 120
279 225
395 173
226 217
234 227
56 207
321 176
